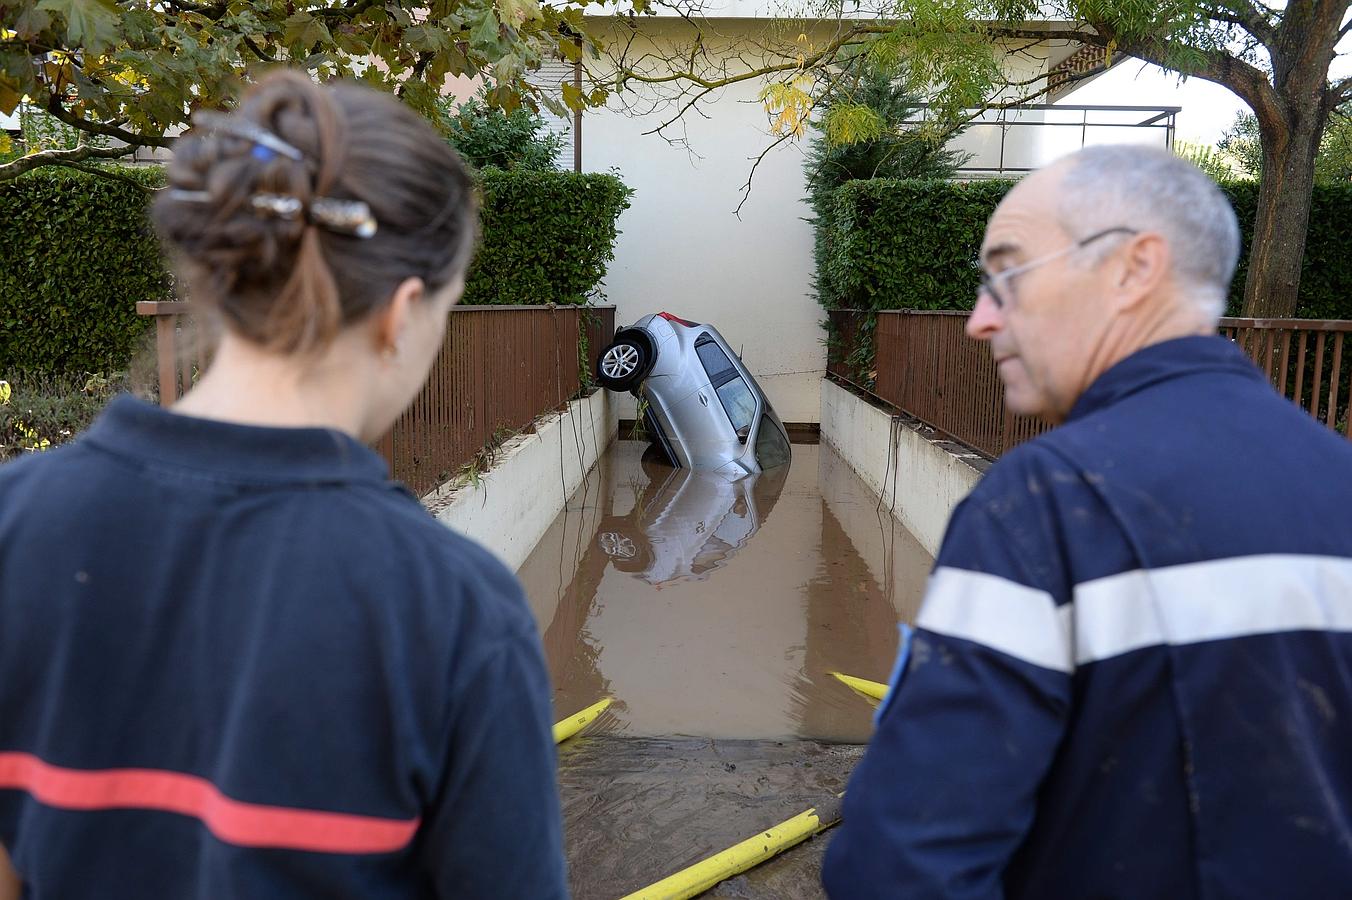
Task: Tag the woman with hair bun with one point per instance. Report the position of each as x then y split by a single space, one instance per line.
235 659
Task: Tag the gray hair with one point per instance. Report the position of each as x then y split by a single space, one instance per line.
1153 190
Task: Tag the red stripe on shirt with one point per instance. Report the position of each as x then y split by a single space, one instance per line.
232 821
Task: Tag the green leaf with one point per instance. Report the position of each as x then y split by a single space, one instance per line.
31 22
426 38
486 32
90 24
304 30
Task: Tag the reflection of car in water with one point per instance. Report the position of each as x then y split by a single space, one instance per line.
687 523
702 408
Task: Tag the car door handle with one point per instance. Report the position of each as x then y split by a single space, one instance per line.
704 401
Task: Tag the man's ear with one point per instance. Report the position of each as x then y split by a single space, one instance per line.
1144 264
394 319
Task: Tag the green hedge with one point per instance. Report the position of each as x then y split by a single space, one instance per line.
905 244
547 236
45 411
76 253
1326 272
914 244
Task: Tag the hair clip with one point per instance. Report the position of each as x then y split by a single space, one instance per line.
262 139
280 205
344 216
188 196
352 217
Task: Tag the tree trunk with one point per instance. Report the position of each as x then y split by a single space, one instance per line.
1271 289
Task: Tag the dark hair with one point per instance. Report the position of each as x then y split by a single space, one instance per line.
287 283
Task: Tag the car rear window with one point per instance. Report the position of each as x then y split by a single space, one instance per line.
771 448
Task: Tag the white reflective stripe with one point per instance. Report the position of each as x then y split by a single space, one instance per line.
995 612
1212 600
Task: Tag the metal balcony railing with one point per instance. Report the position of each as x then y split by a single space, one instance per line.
1018 139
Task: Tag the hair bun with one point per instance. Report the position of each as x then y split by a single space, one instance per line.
305 208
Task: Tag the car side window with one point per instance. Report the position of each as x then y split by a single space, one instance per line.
740 404
716 363
737 399
771 448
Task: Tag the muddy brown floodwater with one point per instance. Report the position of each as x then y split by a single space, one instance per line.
713 612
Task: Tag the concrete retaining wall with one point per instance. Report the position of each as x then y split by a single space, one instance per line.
513 504
920 478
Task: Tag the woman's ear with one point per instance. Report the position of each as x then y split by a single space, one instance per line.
393 320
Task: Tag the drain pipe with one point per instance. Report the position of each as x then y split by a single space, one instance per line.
748 854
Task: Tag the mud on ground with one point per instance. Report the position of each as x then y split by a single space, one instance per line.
639 809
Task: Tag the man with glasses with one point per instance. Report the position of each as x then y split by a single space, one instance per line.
1132 672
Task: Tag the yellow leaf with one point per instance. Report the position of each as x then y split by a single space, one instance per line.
5 390
516 12
572 96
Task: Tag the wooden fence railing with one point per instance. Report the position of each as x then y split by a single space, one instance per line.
925 365
499 368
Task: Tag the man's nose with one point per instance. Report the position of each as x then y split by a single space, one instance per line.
986 318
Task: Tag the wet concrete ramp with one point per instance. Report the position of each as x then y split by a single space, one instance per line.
639 809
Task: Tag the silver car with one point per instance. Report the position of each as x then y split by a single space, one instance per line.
700 405
686 523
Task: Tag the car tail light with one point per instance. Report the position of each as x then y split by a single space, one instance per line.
677 319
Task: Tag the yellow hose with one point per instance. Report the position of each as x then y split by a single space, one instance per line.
737 859
578 721
873 689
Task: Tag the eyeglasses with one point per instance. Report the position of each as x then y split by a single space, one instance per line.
989 282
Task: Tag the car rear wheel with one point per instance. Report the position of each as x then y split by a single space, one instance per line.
625 363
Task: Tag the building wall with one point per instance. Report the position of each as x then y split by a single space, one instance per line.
685 248
512 505
920 480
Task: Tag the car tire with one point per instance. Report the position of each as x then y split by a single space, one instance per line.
626 362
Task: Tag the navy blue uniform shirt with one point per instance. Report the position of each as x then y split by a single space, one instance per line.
1132 671
240 662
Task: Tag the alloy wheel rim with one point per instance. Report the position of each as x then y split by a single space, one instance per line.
620 361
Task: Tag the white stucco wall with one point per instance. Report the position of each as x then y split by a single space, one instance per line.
919 481
515 502
685 250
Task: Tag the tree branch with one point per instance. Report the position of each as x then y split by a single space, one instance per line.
1341 92
68 158
214 12
746 188
257 50
1091 38
59 112
1247 81
1247 16
789 65
419 67
346 11
105 173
